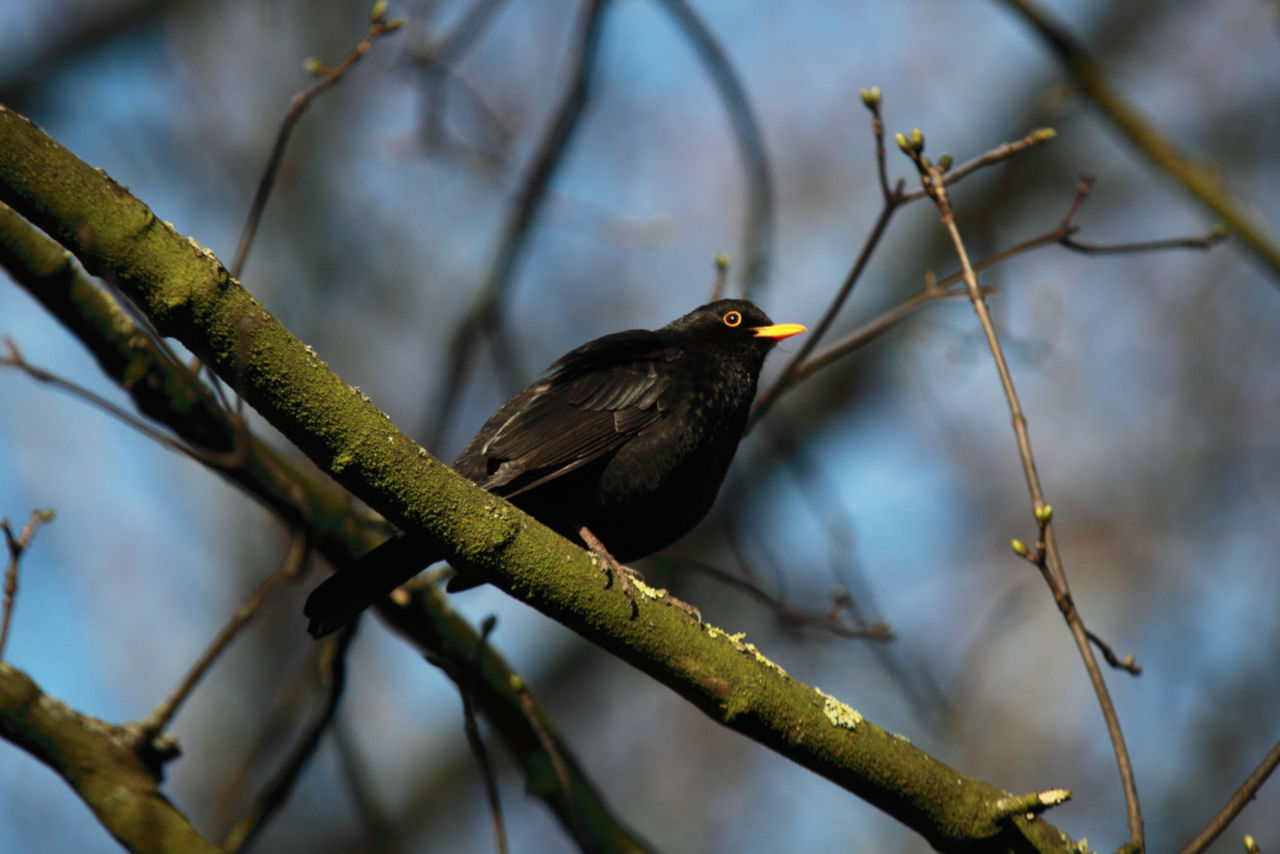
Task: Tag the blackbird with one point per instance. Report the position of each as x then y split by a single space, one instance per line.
624 445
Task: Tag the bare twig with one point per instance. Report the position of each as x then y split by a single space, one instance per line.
277 789
1247 791
1000 153
851 596
803 365
1202 181
328 76
385 836
286 571
1054 574
533 715
721 263
788 375
484 317
438 57
893 198
1127 663
475 742
17 545
1214 236
757 229
871 100
465 33
505 699
1040 559
215 459
867 332
825 621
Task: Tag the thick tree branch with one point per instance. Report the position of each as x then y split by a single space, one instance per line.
187 294
171 394
98 760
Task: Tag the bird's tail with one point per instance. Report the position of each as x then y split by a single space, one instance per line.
340 598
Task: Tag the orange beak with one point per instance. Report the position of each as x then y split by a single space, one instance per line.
778 331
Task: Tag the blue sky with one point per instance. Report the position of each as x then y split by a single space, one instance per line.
1148 380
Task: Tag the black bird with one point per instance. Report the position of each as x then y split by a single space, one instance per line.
628 439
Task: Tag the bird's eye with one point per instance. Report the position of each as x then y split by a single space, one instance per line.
732 319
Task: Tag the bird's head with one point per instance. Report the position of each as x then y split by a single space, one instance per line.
735 324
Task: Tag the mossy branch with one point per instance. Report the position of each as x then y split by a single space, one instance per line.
165 390
188 295
99 761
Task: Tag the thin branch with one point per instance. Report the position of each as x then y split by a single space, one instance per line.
789 374
438 58
824 621
278 788
466 683
893 199
464 34
871 100
1062 234
933 290
851 595
1247 791
329 76
868 332
288 569
1201 181
1127 663
214 459
1214 236
17 545
1055 574
757 228
1000 153
533 715
484 316
721 265
385 837
425 618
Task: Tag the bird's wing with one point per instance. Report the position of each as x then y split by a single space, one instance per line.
598 397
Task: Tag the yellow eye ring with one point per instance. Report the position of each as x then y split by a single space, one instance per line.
732 319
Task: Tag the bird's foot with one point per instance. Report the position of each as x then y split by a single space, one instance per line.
611 568
691 610
661 593
627 578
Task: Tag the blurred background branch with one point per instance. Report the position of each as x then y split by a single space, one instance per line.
1149 380
1201 181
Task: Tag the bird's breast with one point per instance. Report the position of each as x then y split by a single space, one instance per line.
663 481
